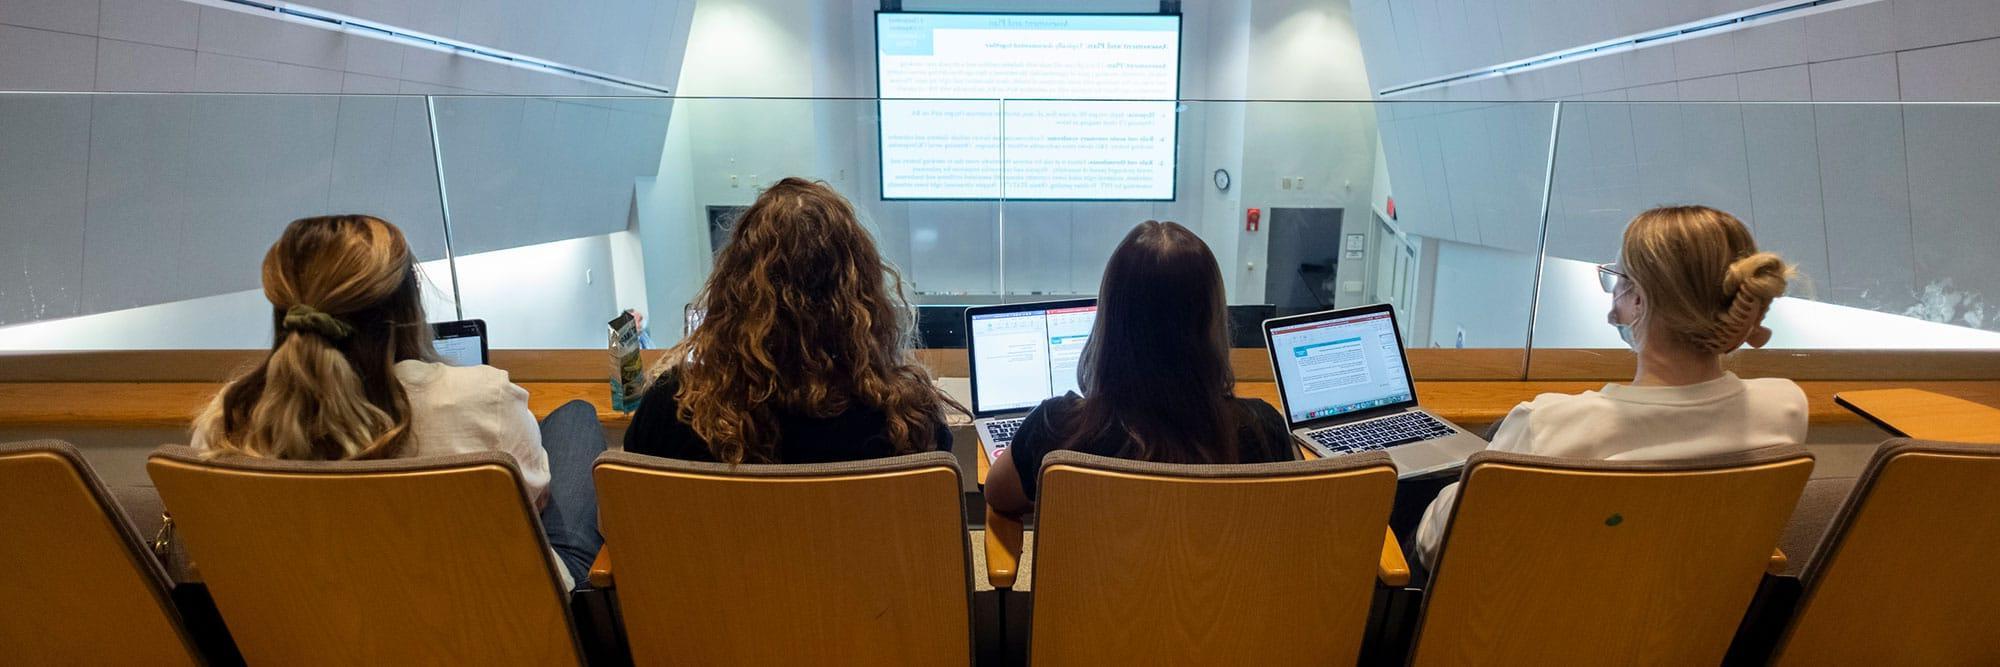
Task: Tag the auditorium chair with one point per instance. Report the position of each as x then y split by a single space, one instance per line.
435 560
1901 577
1253 564
857 563
1563 561
77 587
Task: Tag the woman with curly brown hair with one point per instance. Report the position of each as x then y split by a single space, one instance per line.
803 351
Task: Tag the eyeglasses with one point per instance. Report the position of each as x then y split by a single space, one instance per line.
1608 276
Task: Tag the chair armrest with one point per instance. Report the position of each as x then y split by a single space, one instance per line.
1003 549
1778 562
600 569
1393 571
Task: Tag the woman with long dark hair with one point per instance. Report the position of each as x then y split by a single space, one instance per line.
1155 375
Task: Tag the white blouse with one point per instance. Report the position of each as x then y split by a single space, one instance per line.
1634 423
467 409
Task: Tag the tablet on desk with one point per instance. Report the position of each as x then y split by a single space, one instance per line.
461 343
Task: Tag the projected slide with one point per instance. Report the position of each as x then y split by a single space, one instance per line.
943 134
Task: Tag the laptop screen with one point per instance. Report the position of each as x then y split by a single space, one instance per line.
1023 357
1340 365
461 343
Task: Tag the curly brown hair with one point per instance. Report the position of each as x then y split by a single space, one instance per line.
801 316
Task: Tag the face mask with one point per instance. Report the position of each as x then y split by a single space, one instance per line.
1625 334
1624 328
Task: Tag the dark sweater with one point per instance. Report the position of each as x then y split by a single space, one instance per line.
857 434
1261 437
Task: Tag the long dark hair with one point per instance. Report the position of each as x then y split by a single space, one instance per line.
1157 365
346 305
801 317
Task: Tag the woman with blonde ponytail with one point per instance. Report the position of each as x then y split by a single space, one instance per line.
351 375
1689 287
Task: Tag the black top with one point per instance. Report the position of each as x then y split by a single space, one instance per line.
1262 437
858 434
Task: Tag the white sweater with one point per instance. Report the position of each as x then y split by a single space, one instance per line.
1633 423
466 409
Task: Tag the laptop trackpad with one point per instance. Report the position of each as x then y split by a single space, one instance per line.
1420 457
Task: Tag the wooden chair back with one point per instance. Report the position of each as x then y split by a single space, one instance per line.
413 561
858 563
1562 561
1897 578
1256 564
79 587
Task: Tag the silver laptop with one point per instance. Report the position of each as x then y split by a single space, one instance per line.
1020 355
1345 382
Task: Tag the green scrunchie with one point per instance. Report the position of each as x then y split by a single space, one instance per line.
307 318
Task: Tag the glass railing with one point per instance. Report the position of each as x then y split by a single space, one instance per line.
1888 211
138 221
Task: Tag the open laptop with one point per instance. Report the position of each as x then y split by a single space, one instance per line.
1020 355
461 343
1345 382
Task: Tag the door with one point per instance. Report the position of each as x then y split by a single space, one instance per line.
1302 259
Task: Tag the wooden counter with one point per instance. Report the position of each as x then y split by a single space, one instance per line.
174 404
1925 415
165 388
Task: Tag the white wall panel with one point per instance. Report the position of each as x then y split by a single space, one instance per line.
1786 211
1706 56
33 59
134 254
1867 195
174 23
1922 23
42 180
375 57
1709 89
1863 79
237 33
216 73
1954 152
1780 84
71 16
134 67
1956 73
362 84
280 148
1859 30
1769 45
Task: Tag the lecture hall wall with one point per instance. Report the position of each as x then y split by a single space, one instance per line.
149 212
1886 207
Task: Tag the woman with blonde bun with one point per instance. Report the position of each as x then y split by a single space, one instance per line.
1689 287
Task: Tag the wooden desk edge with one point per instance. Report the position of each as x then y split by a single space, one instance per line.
600 569
1003 549
1468 403
1917 413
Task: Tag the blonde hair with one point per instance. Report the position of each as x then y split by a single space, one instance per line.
1702 275
346 306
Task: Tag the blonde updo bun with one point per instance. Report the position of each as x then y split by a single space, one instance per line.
1752 282
1702 276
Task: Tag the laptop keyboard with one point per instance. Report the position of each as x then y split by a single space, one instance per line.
1002 430
1380 433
